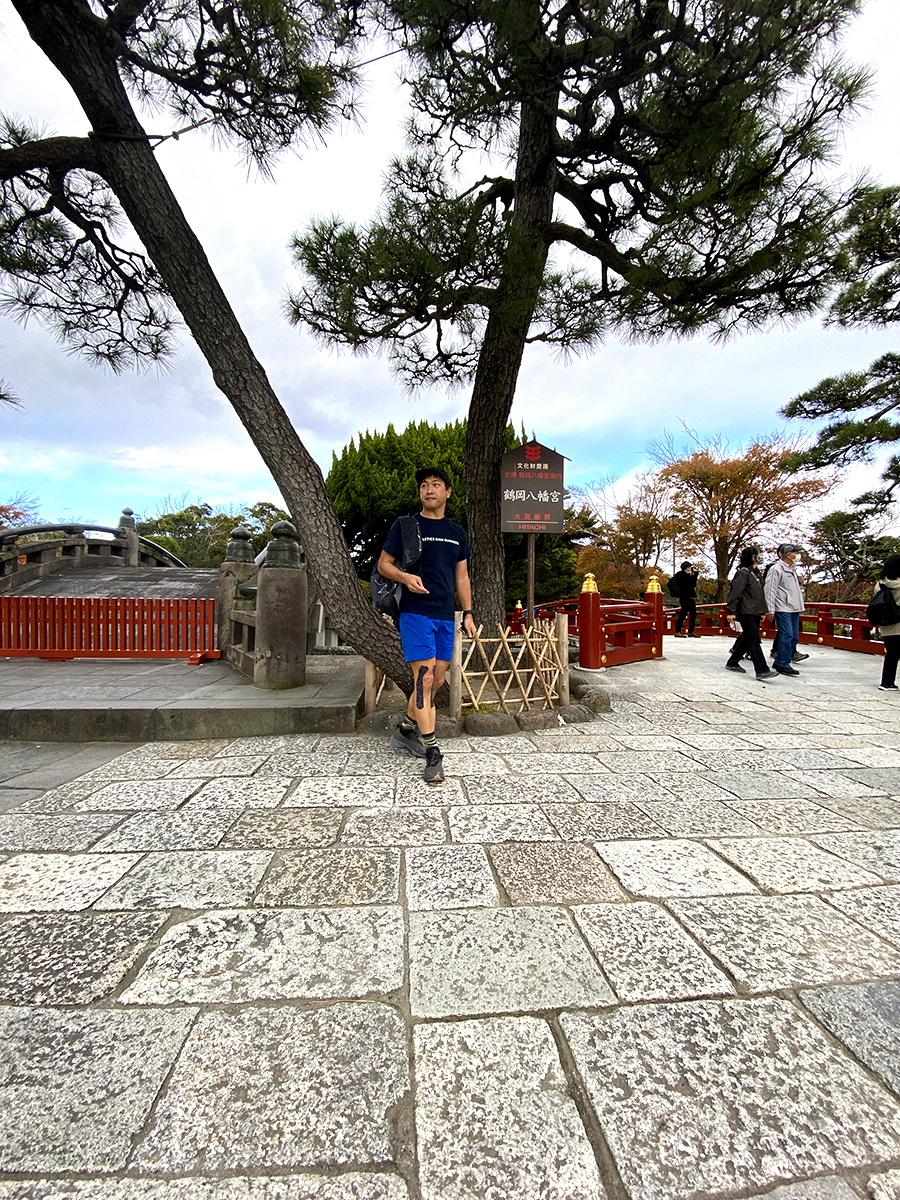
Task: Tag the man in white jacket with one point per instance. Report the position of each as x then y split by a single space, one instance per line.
784 598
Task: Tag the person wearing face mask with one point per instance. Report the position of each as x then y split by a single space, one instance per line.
784 598
746 605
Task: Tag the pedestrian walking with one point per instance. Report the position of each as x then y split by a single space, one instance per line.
427 606
890 634
683 584
746 606
784 598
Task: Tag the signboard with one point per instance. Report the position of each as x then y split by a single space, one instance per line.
531 490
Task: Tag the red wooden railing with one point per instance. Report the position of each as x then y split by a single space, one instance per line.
60 627
611 632
843 626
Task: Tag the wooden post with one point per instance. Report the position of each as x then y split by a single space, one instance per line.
529 588
654 597
589 626
562 645
455 681
371 692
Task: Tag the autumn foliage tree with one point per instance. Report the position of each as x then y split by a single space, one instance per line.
733 496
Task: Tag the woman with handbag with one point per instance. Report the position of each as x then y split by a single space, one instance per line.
746 604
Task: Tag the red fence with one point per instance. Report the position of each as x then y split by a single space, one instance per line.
77 627
843 626
610 632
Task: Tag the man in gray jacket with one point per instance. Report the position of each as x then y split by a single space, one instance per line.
784 598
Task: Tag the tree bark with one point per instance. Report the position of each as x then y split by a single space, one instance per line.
75 40
500 357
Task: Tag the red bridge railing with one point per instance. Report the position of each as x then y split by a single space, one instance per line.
843 626
61 627
612 632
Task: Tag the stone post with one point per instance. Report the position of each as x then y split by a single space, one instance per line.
237 568
281 613
128 529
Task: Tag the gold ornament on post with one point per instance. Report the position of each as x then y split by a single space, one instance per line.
653 585
590 584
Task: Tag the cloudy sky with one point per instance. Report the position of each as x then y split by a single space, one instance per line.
86 443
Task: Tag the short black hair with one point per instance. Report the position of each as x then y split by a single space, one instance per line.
747 555
891 568
424 472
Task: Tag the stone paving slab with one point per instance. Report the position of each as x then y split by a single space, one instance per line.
877 851
441 877
676 867
792 864
239 793
70 958
261 829
878 909
284 1089
715 1096
866 1018
193 879
500 961
307 878
561 873
79 1084
59 882
773 942
646 955
495 1117
346 1186
18 832
274 954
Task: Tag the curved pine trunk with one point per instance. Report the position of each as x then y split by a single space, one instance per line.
70 35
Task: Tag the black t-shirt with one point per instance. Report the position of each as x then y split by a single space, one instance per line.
443 546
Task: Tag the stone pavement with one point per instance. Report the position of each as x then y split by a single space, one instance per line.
652 957
128 700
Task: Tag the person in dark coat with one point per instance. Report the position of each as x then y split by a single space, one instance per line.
683 584
746 605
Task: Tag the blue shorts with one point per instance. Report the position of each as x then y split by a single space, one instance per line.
424 638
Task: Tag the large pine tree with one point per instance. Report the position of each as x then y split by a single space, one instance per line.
653 169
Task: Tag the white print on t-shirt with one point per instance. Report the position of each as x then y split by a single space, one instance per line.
449 541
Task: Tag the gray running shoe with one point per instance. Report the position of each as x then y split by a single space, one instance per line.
798 657
768 674
434 766
735 667
407 743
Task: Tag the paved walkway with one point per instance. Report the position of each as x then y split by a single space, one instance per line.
124 700
654 957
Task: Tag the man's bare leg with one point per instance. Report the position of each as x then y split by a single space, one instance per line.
420 710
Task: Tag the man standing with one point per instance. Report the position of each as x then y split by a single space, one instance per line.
427 608
784 598
684 586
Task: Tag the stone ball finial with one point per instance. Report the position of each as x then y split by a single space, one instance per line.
240 547
284 548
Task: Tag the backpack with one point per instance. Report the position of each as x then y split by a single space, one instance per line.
674 589
883 609
385 592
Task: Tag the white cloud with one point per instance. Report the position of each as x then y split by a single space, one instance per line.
87 441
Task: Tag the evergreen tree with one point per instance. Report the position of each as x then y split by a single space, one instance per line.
673 148
260 74
860 408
